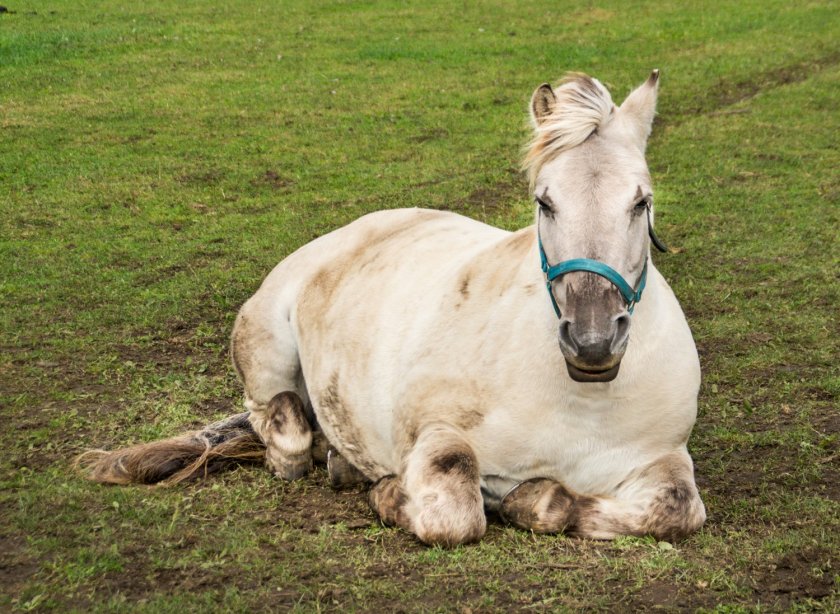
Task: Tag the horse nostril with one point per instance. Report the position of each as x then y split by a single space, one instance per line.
622 332
566 338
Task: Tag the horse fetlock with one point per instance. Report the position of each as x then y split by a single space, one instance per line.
541 505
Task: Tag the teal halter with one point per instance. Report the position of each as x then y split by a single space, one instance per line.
630 295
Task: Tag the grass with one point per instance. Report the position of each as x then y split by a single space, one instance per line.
158 159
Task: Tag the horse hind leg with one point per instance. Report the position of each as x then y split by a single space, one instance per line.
283 427
264 353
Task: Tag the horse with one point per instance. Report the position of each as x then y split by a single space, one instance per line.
462 369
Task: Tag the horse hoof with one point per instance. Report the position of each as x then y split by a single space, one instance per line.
539 504
342 473
292 469
320 447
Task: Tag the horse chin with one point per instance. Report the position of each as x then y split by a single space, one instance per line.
592 375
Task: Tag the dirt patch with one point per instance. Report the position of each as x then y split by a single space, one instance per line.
807 573
16 567
670 595
488 200
210 177
323 506
429 135
92 392
272 179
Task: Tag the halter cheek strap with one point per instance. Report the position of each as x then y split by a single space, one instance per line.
630 295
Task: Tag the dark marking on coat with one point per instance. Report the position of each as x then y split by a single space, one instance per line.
233 359
287 413
584 510
469 419
457 462
520 239
333 410
411 433
673 513
237 351
349 264
464 289
638 194
587 518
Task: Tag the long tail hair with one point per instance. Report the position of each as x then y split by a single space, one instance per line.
170 461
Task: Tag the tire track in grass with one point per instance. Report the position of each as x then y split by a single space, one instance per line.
724 94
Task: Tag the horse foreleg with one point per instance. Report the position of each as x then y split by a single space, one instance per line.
659 499
437 497
283 427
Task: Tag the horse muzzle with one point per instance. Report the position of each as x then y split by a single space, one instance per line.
594 354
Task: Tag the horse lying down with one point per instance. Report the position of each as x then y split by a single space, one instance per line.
461 368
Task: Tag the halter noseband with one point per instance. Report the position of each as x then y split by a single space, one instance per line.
630 295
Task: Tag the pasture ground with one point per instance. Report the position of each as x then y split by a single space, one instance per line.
158 158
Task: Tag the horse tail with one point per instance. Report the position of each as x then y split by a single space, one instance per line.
184 457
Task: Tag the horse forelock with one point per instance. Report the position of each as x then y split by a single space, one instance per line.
582 106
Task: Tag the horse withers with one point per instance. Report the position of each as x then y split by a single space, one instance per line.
548 374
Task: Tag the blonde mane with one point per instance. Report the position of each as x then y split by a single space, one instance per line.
583 105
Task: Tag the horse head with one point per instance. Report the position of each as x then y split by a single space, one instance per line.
593 193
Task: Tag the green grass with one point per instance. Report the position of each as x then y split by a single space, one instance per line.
157 159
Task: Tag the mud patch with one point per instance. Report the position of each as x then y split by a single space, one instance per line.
489 200
210 177
272 179
806 573
17 568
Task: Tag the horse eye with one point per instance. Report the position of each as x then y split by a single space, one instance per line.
543 206
640 206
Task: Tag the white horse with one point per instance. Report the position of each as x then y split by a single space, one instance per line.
453 365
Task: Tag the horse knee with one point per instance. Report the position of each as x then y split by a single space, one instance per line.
449 522
445 502
283 427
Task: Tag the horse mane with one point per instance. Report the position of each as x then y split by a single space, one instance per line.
582 105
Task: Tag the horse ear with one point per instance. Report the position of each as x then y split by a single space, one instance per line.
542 103
638 109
